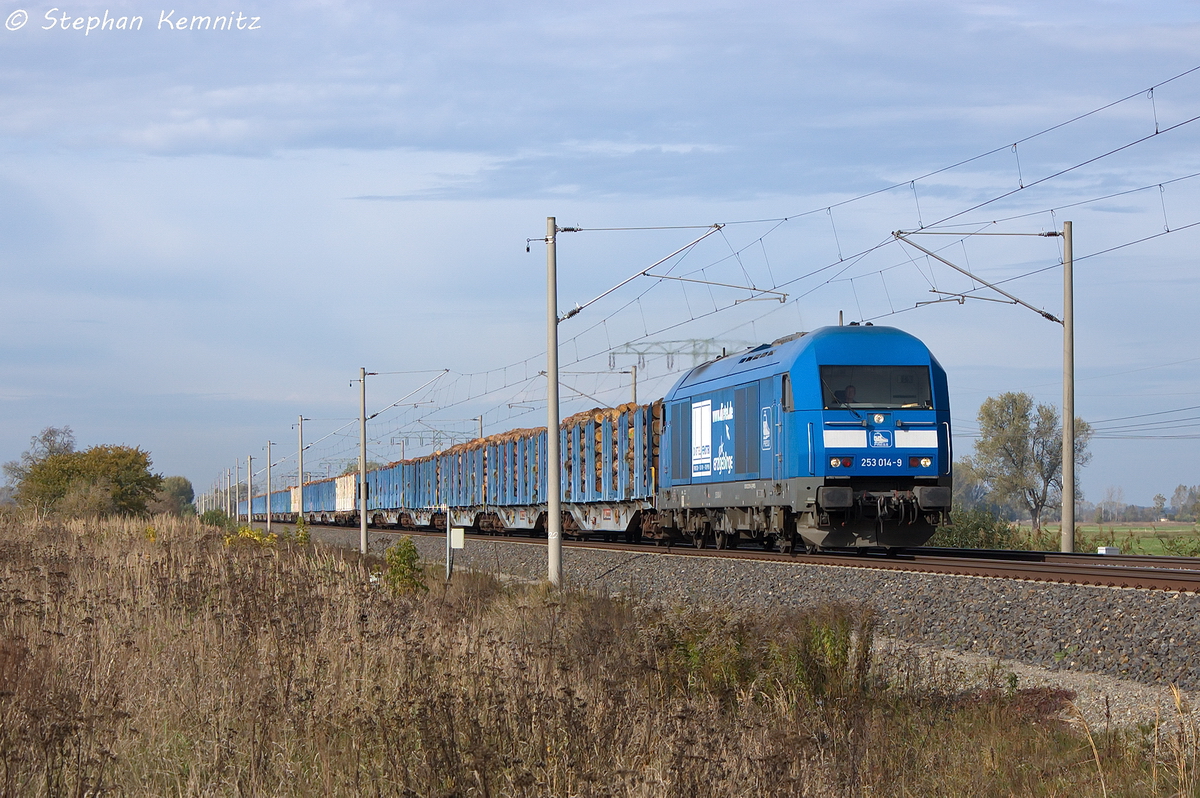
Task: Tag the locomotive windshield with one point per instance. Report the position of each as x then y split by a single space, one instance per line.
876 387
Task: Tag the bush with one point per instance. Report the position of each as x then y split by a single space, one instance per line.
302 535
216 518
249 536
404 572
976 528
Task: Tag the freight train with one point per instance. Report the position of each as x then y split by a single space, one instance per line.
837 438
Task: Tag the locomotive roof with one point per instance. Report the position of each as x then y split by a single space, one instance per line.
847 346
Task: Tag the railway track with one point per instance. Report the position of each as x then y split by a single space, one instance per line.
1144 572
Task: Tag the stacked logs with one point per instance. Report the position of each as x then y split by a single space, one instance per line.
622 444
623 440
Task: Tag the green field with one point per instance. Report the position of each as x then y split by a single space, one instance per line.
1162 538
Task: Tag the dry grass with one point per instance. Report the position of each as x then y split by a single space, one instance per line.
169 663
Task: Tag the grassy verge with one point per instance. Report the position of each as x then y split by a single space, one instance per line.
171 660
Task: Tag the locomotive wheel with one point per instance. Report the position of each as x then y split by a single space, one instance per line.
698 540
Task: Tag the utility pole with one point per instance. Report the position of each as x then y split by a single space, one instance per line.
553 458
1067 534
1068 422
449 545
237 481
268 502
633 377
300 465
249 490
362 461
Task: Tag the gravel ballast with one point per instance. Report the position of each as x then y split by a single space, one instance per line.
1067 633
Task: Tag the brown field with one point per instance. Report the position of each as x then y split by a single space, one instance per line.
141 658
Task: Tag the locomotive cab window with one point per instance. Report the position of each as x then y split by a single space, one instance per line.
876 387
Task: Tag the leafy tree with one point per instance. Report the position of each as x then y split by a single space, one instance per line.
174 497
1185 503
102 480
969 492
47 443
1019 453
1160 506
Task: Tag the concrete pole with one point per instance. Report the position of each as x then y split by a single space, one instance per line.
1068 421
249 490
362 461
237 481
633 376
300 467
449 549
268 501
553 457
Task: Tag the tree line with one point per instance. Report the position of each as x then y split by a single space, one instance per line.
52 477
1015 471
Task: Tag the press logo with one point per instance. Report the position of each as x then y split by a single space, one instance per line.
57 19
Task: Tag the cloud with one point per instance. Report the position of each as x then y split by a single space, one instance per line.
251 218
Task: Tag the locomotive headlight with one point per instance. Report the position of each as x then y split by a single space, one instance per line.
834 462
921 462
926 462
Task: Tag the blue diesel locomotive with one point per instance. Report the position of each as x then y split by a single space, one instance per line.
838 438
835 438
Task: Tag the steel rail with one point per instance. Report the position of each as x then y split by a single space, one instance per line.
1144 572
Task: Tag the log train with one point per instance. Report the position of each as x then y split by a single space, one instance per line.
837 438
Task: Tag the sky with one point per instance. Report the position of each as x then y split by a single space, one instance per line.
212 216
